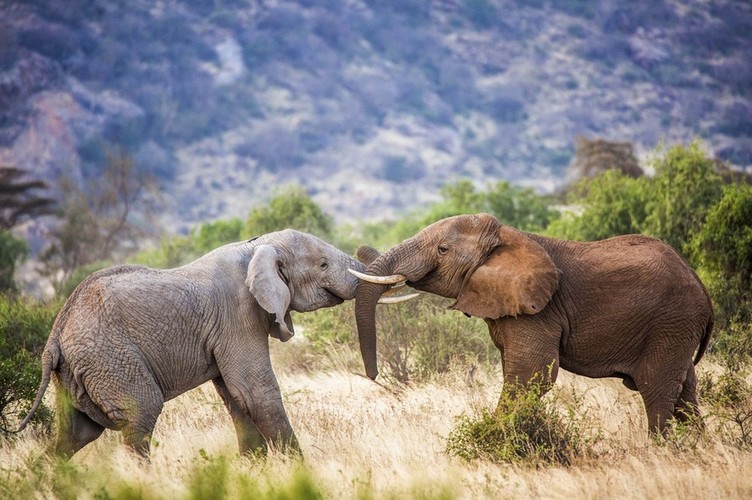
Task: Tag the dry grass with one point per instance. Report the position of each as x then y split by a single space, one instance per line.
364 440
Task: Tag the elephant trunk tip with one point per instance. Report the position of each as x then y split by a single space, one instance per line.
372 373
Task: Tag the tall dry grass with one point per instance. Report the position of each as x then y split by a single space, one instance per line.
365 440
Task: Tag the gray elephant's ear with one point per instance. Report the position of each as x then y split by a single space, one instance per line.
519 277
266 283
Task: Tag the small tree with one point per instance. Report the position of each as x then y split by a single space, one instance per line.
612 204
99 220
595 156
685 186
291 208
724 250
19 200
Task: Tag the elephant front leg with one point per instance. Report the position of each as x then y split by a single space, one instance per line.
249 438
258 412
530 358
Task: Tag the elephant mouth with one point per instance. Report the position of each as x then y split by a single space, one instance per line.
333 298
424 281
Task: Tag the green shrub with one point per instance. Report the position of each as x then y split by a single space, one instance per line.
415 340
726 400
723 247
681 193
290 208
24 328
524 429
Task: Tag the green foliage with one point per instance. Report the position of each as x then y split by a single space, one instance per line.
726 399
612 204
290 208
723 247
211 235
24 328
671 206
12 252
421 338
525 429
171 252
519 207
416 340
682 191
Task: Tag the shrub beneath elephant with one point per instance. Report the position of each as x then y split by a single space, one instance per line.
727 397
524 429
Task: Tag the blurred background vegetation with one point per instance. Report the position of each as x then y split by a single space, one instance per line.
371 105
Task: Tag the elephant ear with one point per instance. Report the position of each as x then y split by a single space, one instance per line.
518 277
266 283
367 254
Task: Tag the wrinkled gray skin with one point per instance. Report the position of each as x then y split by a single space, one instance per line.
130 338
626 307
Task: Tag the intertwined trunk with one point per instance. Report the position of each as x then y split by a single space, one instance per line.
368 295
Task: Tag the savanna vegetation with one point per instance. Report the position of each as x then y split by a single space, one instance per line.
425 428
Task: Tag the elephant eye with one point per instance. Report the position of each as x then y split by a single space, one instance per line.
324 266
443 250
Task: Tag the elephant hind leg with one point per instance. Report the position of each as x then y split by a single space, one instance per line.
686 407
133 407
74 428
662 395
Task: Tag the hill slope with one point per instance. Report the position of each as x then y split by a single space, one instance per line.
371 105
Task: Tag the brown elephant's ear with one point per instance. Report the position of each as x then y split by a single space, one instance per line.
519 277
264 280
367 254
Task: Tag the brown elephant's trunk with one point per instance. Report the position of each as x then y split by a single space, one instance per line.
366 297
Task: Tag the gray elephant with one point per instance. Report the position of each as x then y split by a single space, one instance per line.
626 307
130 338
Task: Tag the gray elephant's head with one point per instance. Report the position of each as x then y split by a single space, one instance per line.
491 269
294 271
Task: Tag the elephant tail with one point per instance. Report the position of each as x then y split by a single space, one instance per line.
705 340
50 360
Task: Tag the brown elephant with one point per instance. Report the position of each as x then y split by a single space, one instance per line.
627 307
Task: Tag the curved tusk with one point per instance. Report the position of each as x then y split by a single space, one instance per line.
397 299
381 280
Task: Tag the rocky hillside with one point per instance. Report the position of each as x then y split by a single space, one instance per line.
372 105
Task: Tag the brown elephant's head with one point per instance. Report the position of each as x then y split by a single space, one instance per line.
491 269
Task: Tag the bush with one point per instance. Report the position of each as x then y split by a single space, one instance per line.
612 204
24 328
291 208
524 429
416 339
727 403
723 247
684 188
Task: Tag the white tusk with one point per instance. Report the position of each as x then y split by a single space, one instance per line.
381 280
397 299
